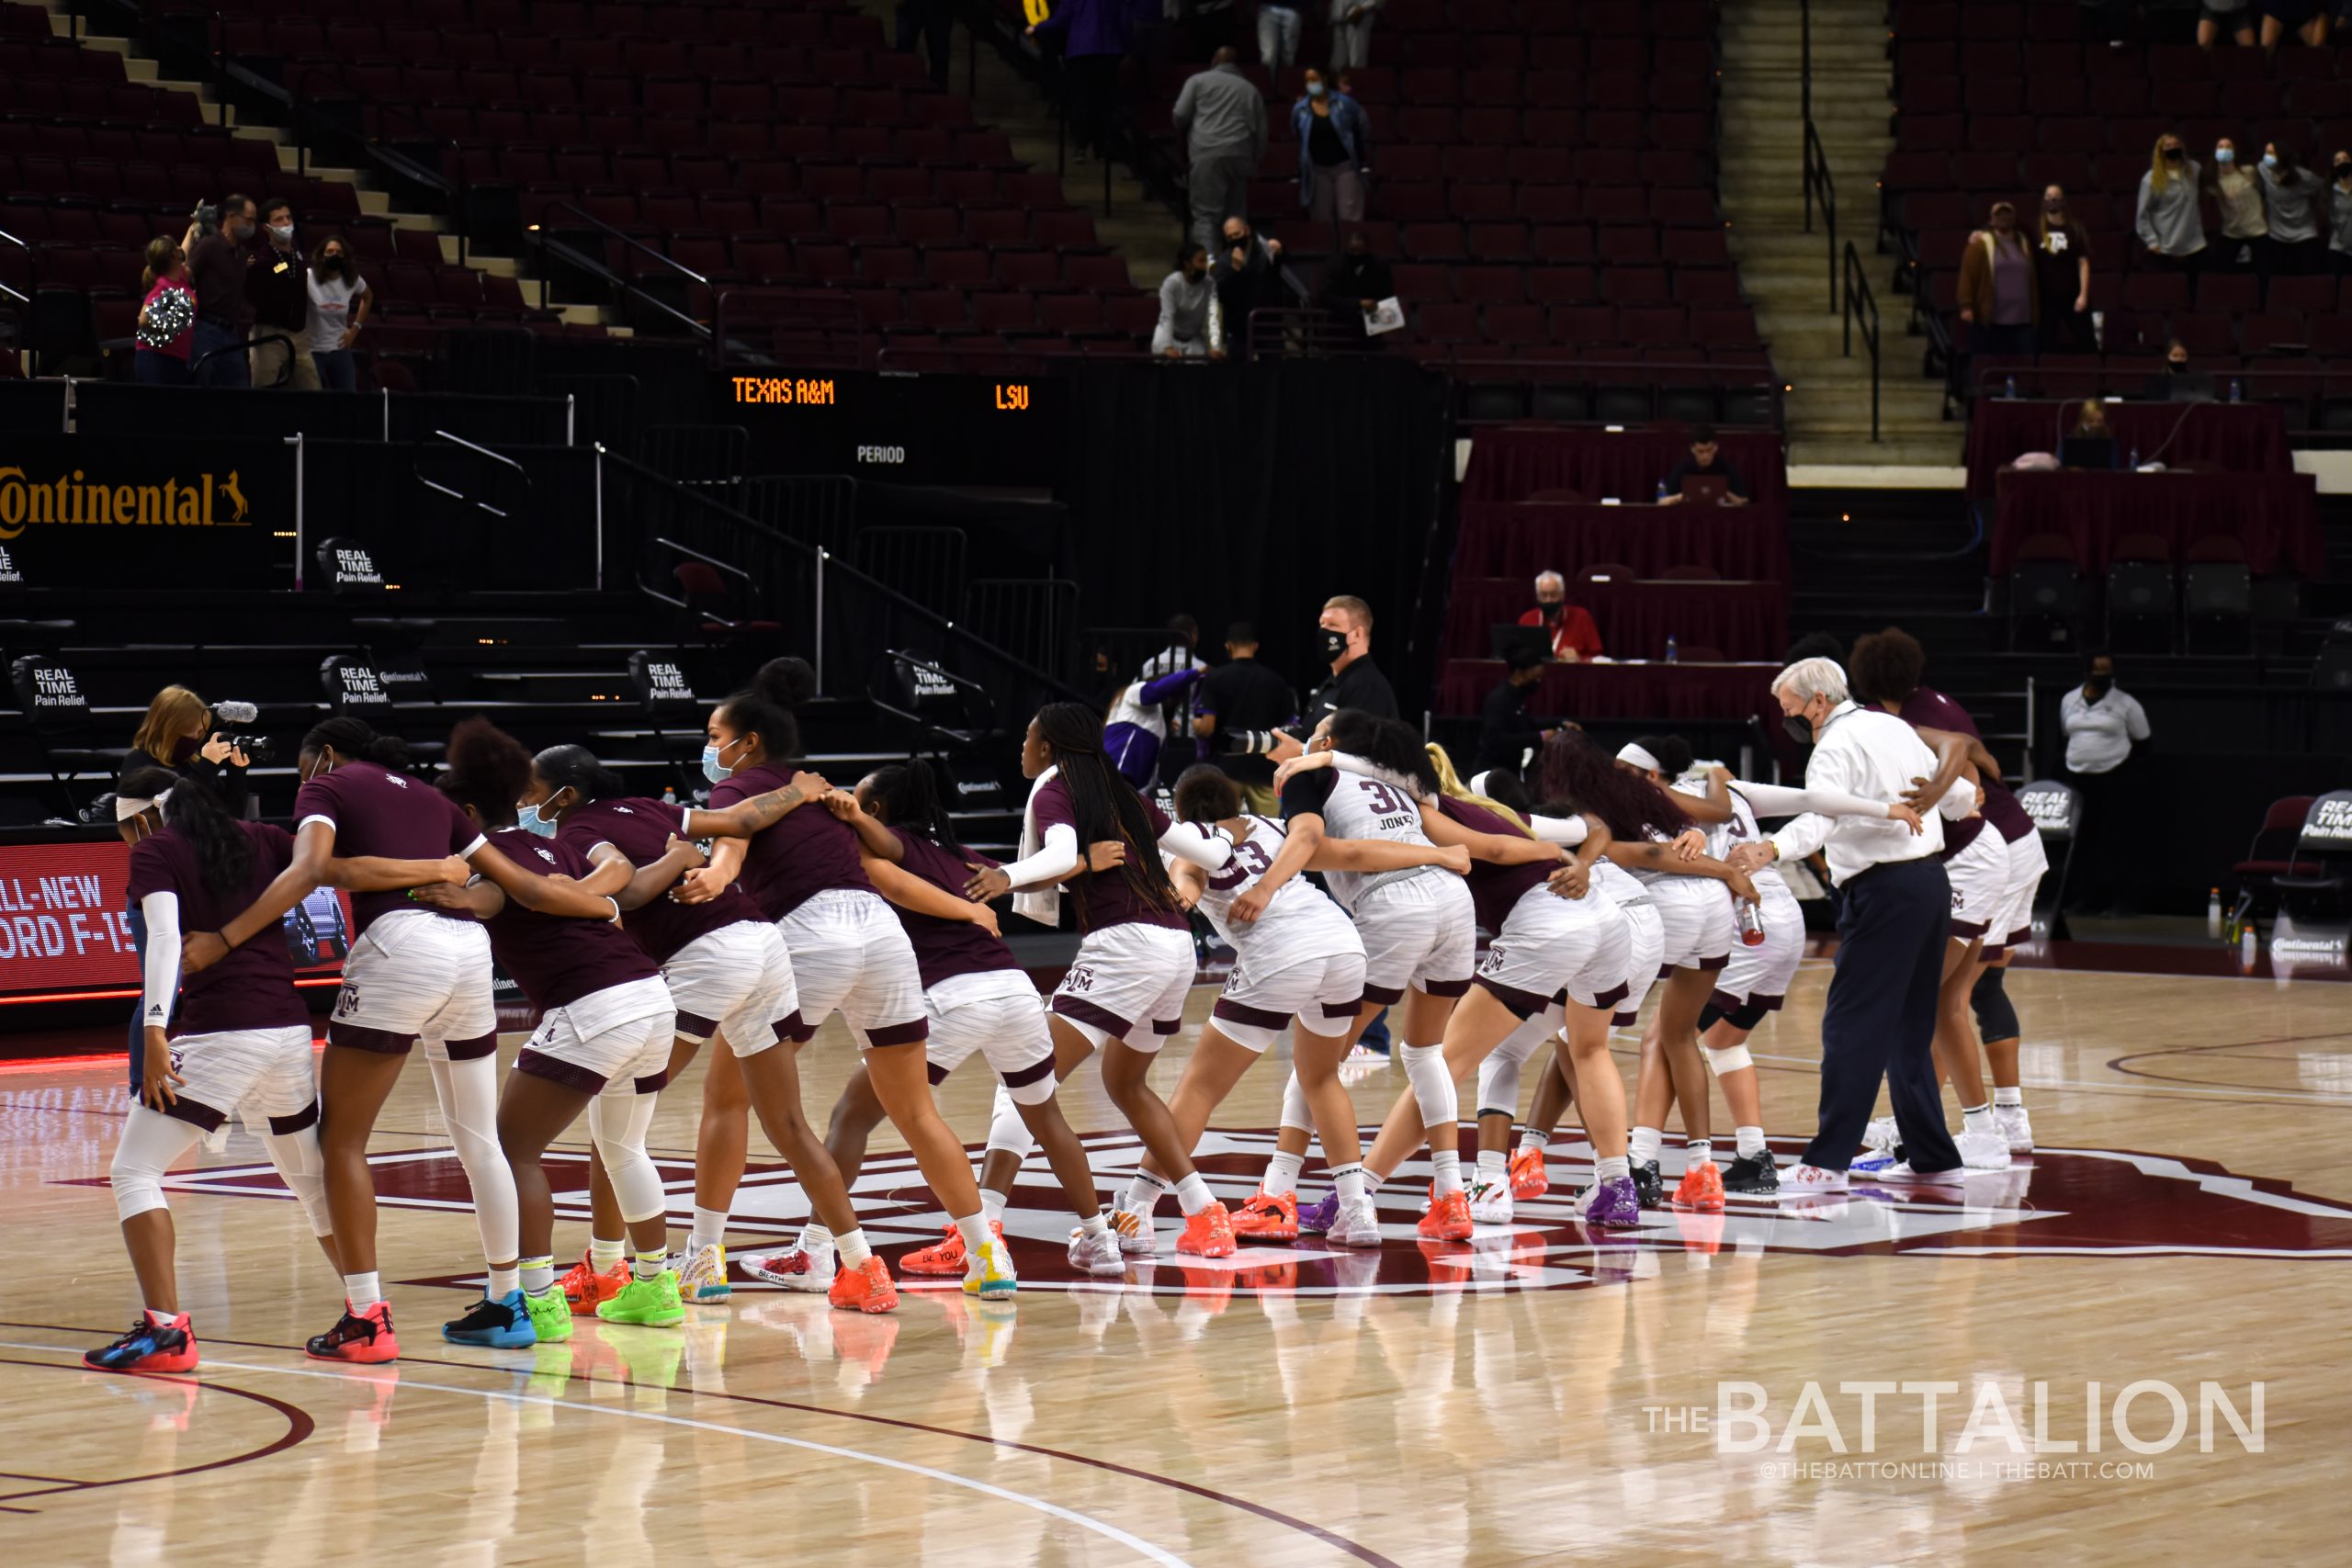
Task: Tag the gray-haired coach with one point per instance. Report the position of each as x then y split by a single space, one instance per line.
1881 1017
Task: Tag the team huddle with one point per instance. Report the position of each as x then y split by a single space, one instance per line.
641 930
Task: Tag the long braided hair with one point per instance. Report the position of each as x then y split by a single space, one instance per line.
1579 777
1105 805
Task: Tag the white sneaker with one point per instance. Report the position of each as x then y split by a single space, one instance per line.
1881 1134
1490 1198
702 1277
1799 1181
1138 1235
1984 1151
1359 1223
2015 1126
1097 1255
1900 1171
801 1268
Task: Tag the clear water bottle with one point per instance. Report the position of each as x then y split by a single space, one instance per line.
1751 922
2249 947
2010 389
1662 492
668 794
2235 390
2214 913
1673 648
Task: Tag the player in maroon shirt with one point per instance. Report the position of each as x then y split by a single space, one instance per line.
424 974
732 980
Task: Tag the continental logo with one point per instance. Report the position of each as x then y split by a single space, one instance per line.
207 501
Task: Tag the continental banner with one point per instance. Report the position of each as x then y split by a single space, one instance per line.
79 511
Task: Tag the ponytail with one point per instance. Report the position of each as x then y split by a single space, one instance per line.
354 741
909 794
575 768
769 706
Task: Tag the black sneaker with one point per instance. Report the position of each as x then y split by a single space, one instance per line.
1648 1186
1758 1177
364 1337
501 1324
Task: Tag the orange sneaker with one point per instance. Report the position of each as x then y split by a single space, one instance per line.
1268 1217
943 1256
1208 1234
1448 1218
1702 1188
586 1289
866 1288
359 1334
1527 1178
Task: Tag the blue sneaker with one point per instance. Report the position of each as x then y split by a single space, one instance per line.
1318 1220
501 1324
144 1348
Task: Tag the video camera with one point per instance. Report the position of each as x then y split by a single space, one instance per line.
230 718
206 216
1255 742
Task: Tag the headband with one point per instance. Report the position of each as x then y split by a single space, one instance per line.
127 807
1631 752
1479 783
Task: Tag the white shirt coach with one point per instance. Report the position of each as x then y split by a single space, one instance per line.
2099 734
1871 753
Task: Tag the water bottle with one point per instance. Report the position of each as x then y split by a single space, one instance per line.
1751 922
668 794
2233 389
1662 492
2011 389
2214 913
2249 946
2135 459
1673 648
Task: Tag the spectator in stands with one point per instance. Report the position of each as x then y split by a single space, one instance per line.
2062 264
1355 282
2234 18
1246 276
1094 36
2169 221
2102 725
1223 120
2237 195
2339 215
2090 425
1506 733
176 733
166 317
1351 32
1278 29
2307 19
281 304
1192 317
337 309
2000 289
216 264
1334 153
2290 196
1573 636
927 21
1705 460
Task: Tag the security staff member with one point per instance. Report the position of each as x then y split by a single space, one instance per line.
1345 630
1892 923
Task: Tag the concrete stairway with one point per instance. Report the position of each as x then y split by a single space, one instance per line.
1786 270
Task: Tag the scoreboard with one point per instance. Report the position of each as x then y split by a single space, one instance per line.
901 427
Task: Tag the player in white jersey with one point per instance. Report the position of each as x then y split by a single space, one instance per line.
1297 957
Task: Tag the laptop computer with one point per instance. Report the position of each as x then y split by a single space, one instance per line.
1708 490
1503 639
2191 387
2094 452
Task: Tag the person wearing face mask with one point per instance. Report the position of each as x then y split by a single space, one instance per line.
2062 271
2168 221
1343 639
2237 195
1999 293
1355 283
2290 196
176 733
338 306
1334 150
274 284
216 264
2102 724
2339 215
1191 317
1573 636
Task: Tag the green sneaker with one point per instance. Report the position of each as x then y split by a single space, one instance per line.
650 1302
550 1314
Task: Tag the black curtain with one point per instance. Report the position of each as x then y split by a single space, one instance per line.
1257 492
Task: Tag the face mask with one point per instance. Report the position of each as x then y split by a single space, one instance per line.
2343 171
1800 729
2054 207
527 818
2270 159
1315 89
186 746
1334 644
2175 366
1549 608
2101 684
712 769
2173 154
281 232
2224 155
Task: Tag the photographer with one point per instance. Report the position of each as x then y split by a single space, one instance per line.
177 734
217 261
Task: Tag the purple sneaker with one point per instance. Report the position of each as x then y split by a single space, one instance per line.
1612 1203
1320 1219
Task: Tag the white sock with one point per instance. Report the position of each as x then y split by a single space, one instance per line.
1751 1143
363 1290
1143 1194
974 1229
1094 1223
1193 1195
1348 1180
163 1319
1493 1162
1445 1173
1432 1085
1372 1179
1642 1147
1282 1175
1615 1167
1976 1118
2009 1096
854 1252
711 1228
1533 1139
503 1283
650 1265
538 1273
815 1238
1697 1151
992 1205
603 1254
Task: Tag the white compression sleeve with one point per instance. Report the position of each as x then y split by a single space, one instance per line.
1190 841
303 1170
1007 1130
617 1122
1779 800
160 973
469 1095
1959 801
1569 830
1057 857
152 1143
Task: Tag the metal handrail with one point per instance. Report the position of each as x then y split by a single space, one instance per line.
1858 300
546 246
1818 185
712 561
417 473
32 268
285 369
631 241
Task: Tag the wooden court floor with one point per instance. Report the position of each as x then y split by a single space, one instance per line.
1530 1396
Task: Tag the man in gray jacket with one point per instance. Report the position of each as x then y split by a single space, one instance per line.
1351 32
1223 120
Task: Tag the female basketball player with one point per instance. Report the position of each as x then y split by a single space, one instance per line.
1125 991
606 1024
243 1050
976 996
849 953
416 973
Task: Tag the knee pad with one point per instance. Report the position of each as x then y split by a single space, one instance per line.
1296 1114
1007 1131
1432 1083
137 1187
1997 1019
617 1124
151 1142
1731 1059
1498 1078
303 1170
